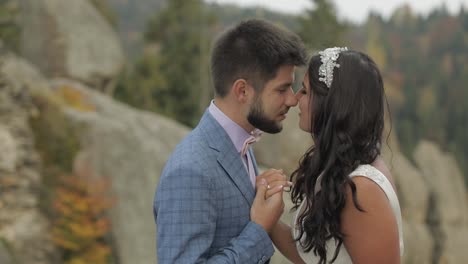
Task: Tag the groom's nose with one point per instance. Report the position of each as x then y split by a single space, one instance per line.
291 99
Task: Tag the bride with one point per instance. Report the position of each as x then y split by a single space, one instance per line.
346 206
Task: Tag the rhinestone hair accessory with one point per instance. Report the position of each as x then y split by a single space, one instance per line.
328 58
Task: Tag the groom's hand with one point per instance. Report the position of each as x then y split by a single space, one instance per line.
266 212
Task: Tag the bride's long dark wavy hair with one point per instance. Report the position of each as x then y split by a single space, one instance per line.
347 123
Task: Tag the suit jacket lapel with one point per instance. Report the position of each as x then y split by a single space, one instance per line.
235 168
228 156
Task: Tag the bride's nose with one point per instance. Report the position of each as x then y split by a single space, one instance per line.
292 99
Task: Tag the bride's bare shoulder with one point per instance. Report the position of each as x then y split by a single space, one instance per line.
380 165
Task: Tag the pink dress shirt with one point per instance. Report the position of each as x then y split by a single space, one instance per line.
238 136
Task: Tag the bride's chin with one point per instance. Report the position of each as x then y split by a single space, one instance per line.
302 128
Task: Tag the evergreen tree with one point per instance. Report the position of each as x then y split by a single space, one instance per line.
140 84
106 11
9 28
181 31
430 55
374 45
320 27
173 77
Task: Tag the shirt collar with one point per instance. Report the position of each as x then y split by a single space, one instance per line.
236 133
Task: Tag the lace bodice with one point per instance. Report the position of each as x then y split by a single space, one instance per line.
343 257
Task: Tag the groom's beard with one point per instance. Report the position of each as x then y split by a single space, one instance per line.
258 119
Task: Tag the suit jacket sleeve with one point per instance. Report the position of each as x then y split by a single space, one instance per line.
185 212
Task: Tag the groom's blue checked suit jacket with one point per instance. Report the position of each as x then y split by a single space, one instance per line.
202 203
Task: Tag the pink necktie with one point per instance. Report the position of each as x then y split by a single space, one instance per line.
255 136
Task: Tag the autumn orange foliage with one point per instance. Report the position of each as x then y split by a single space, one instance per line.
81 224
75 99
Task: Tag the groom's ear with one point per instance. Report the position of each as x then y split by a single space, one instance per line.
242 91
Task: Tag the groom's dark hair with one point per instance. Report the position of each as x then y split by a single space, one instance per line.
253 50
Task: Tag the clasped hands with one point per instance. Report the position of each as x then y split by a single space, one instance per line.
275 181
268 204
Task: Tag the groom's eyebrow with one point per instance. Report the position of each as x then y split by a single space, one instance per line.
285 85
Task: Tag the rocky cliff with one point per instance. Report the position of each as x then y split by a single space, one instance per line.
24 230
71 39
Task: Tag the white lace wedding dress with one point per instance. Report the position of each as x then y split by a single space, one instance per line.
343 257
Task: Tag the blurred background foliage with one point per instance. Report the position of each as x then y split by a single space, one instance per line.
423 58
103 7
9 26
76 202
80 225
173 72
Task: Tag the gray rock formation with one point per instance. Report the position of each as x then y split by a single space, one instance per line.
8 147
23 228
448 218
413 195
130 147
71 39
126 145
5 257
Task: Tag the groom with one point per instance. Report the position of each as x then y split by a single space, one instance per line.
203 201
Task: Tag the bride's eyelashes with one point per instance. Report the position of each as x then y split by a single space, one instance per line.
302 91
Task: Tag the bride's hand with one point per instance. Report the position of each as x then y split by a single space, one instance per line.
266 212
276 181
